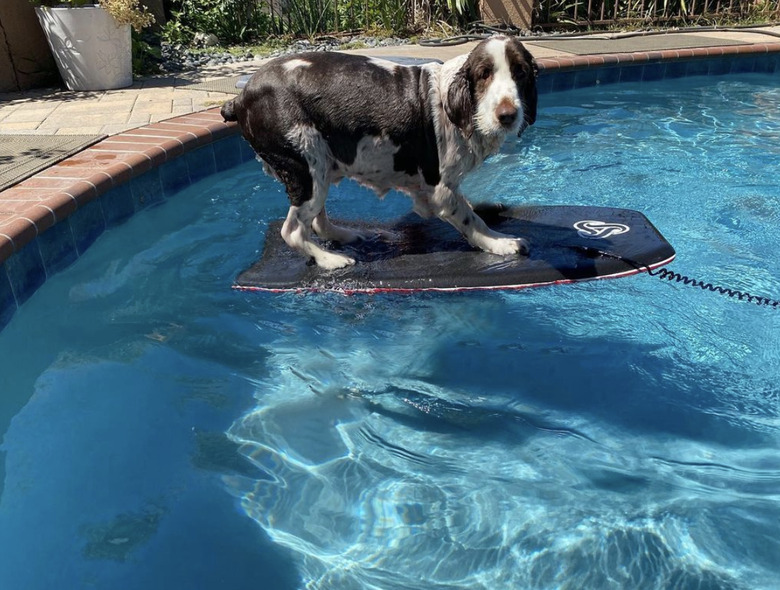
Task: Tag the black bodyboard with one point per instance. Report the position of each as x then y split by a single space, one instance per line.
567 244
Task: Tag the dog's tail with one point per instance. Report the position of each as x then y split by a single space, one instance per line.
228 110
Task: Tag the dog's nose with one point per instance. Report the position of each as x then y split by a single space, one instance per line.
506 114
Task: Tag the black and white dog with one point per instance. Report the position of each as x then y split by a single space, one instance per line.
316 118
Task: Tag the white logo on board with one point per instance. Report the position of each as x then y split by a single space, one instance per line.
589 228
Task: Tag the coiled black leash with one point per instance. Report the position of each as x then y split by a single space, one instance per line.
676 277
671 276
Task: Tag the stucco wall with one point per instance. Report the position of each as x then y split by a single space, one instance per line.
509 12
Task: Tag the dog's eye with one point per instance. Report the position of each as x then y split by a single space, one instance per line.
519 73
484 73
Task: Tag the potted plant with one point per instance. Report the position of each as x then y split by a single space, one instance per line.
91 40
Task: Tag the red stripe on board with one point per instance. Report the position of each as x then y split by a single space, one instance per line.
408 291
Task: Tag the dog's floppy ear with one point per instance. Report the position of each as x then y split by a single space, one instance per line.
459 104
530 97
527 85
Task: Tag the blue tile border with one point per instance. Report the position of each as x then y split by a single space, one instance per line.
202 162
26 272
147 189
58 248
86 224
175 175
229 154
118 204
7 299
559 80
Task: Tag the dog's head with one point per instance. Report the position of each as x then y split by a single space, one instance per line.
494 92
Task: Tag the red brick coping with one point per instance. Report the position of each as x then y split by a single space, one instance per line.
642 57
36 204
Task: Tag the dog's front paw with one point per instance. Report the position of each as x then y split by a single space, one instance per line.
330 261
508 247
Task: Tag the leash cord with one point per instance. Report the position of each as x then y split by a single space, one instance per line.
676 277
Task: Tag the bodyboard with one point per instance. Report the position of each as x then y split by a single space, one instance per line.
567 244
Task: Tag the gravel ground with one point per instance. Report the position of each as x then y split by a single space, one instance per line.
177 58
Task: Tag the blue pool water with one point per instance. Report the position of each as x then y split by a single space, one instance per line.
168 432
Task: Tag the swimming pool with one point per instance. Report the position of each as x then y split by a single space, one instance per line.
603 435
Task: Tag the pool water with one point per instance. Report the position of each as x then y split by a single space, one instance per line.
164 431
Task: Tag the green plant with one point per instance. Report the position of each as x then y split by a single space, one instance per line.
462 7
232 21
175 31
146 56
128 12
247 21
763 11
374 16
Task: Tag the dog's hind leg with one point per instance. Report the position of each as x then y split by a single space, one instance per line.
307 199
345 235
327 231
296 231
301 219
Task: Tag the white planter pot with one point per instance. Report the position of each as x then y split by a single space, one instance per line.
92 52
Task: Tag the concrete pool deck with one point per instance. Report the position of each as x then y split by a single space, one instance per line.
159 119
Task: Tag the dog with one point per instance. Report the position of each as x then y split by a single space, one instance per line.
316 118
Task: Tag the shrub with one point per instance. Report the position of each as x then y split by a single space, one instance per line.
242 21
232 21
